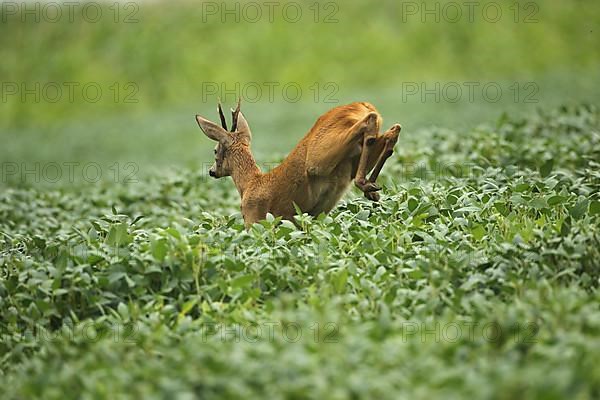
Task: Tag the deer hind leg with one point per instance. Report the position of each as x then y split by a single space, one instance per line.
332 150
385 147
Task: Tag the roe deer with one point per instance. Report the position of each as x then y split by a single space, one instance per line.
343 145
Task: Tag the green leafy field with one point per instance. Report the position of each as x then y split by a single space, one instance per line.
476 276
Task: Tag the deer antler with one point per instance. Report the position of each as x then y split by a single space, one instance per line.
222 116
234 115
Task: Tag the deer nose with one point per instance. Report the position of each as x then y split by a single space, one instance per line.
212 173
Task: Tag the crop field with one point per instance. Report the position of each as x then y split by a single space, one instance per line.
476 275
126 272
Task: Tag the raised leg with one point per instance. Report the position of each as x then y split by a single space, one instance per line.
386 143
369 140
323 157
391 138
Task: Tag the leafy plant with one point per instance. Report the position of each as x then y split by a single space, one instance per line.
477 275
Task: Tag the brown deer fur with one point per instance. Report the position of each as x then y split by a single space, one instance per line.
342 146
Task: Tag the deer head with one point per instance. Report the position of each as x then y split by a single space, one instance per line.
228 142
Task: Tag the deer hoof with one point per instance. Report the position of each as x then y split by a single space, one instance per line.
367 186
393 133
372 187
373 196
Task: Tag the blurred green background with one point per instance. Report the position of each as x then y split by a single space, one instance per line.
158 63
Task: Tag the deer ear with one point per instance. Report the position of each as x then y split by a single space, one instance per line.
212 130
243 129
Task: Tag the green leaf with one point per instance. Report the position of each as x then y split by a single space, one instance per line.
468 209
241 281
521 187
297 209
416 274
538 203
173 232
565 227
159 249
478 232
340 280
546 168
595 207
501 207
123 310
412 204
579 209
363 215
288 224
554 200
115 276
187 307
118 235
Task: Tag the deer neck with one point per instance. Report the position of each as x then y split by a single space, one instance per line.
244 168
